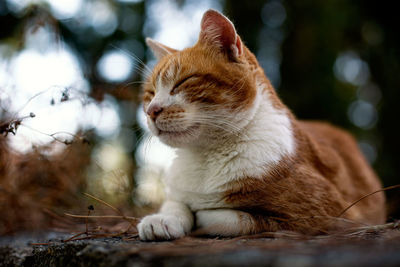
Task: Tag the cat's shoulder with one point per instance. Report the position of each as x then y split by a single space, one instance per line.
324 131
329 146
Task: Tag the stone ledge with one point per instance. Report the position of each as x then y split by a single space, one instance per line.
19 251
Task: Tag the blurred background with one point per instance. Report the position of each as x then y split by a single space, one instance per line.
70 76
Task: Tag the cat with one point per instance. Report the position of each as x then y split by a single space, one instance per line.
244 163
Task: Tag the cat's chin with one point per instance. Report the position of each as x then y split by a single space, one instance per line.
179 138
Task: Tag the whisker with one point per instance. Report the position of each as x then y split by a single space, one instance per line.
218 123
143 68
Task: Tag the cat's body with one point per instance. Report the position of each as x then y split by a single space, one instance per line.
245 164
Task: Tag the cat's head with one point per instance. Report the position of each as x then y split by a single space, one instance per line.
203 93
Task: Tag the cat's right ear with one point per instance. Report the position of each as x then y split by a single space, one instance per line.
218 31
158 49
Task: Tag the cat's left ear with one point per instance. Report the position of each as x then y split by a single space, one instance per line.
218 30
159 50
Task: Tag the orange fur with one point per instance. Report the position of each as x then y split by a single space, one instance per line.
304 192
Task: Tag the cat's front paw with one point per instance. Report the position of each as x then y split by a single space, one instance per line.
160 227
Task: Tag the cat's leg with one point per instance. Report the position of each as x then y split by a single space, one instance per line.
174 220
225 222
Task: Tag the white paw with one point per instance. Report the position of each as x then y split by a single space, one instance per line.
160 227
219 217
202 219
222 222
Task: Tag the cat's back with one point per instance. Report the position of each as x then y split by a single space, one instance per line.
337 156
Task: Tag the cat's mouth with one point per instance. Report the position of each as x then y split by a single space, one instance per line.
178 133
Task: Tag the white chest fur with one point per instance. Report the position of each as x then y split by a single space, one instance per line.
197 177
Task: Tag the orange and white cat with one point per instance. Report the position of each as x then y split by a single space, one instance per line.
244 163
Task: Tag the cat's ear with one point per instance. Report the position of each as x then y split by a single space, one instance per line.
217 30
159 50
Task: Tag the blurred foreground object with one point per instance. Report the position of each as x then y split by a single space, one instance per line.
36 188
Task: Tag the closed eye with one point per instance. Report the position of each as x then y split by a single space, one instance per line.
173 91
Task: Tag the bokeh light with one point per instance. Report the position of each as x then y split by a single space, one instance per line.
176 25
351 69
363 114
65 9
104 21
115 66
369 150
273 14
271 36
130 1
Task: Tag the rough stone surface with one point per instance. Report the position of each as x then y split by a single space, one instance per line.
21 251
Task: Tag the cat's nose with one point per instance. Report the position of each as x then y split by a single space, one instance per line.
154 110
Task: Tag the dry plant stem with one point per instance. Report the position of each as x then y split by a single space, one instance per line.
359 231
103 202
114 208
393 225
90 235
86 221
74 237
318 217
96 235
338 219
66 142
370 194
30 99
102 216
41 244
